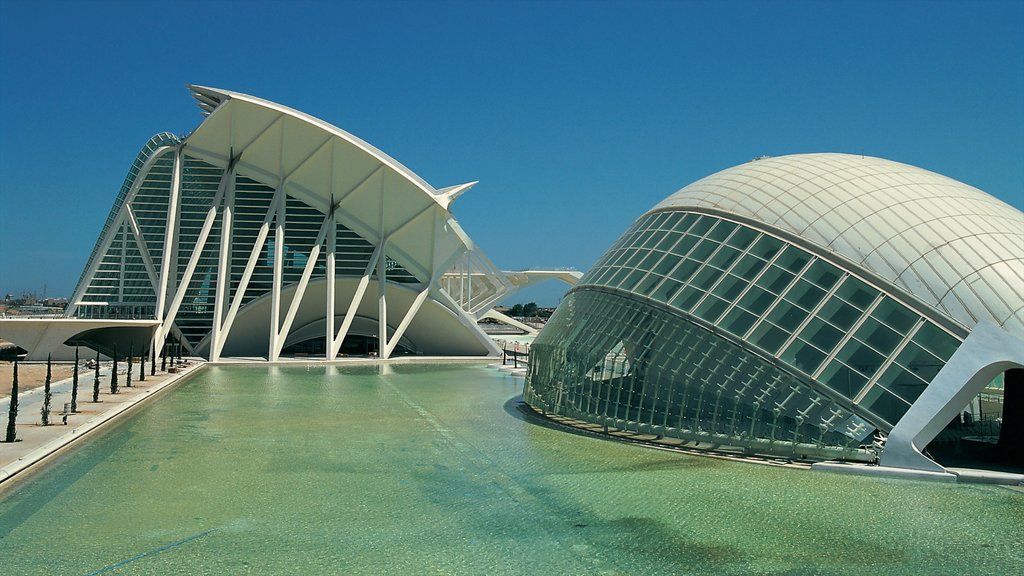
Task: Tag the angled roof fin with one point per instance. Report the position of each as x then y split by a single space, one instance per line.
446 196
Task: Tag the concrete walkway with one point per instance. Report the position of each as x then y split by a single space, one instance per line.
36 442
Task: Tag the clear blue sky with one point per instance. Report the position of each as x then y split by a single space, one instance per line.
576 117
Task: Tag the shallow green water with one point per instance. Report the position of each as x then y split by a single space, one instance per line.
431 470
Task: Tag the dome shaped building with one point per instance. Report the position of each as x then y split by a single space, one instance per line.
819 306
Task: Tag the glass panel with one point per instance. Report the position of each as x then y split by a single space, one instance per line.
738 321
648 283
649 261
730 287
935 340
687 298
775 280
787 316
757 300
724 257
748 267
902 383
919 361
683 272
667 289
703 250
669 241
842 379
885 404
895 315
706 278
766 247
703 225
631 280
711 308
793 259
742 238
860 357
685 222
823 274
768 337
803 356
839 313
685 245
822 335
857 293
805 294
667 264
721 230
879 336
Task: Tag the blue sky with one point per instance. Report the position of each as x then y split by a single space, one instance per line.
576 117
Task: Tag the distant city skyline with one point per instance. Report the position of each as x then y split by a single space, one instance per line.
576 117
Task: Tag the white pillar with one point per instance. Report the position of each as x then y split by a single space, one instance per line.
275 291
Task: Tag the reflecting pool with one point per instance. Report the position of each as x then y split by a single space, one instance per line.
431 469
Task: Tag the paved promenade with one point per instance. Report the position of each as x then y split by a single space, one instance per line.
36 441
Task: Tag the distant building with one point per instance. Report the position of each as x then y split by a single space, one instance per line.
816 305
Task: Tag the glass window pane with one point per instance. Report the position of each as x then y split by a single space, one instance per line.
667 264
738 321
757 300
703 250
902 383
706 278
787 316
839 313
668 241
936 341
724 257
895 315
687 298
878 336
685 244
919 361
748 267
647 284
766 247
842 379
711 308
823 274
721 230
667 289
822 335
649 261
803 356
885 404
860 357
631 279
703 225
685 222
793 259
769 337
742 237
857 293
775 280
686 269
730 287
805 294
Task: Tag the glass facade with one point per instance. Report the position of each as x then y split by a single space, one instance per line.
691 324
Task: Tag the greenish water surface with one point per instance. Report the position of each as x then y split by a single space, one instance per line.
430 469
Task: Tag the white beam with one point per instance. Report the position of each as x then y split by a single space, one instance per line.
223 270
300 290
409 315
275 288
140 242
169 240
353 305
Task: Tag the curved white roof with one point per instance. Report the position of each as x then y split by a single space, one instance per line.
320 164
948 244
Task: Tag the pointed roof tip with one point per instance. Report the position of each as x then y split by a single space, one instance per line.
446 196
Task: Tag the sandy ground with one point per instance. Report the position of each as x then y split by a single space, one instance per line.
33 374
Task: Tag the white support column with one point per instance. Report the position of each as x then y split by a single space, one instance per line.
140 242
223 271
123 232
250 265
275 289
170 239
332 246
409 315
197 251
353 305
300 290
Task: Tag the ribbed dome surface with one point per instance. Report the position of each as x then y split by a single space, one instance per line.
950 245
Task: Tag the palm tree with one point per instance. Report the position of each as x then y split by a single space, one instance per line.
96 379
47 396
12 413
74 384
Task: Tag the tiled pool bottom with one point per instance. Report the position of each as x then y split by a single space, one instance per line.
428 469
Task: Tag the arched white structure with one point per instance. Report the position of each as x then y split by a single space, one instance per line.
246 219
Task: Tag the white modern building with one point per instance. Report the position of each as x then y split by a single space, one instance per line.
819 306
266 233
